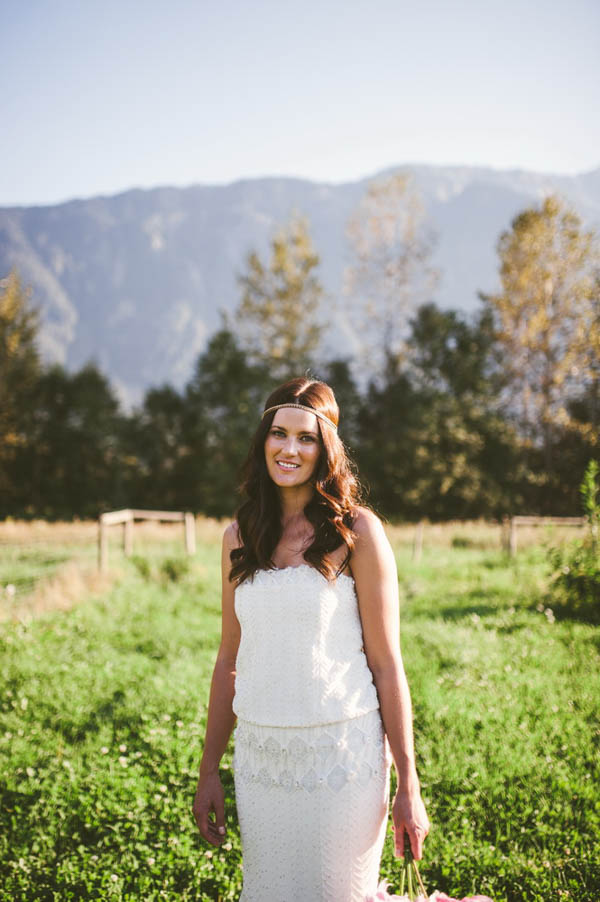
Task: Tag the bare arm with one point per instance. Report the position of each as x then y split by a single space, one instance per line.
376 577
209 798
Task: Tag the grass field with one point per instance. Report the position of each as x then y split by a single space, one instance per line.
103 709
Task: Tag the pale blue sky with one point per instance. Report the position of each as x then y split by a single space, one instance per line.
103 95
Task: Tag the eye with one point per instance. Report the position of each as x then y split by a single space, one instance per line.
276 432
309 438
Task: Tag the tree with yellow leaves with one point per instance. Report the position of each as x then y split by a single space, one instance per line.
19 371
589 403
391 273
545 316
278 319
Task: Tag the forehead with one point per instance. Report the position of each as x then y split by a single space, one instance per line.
293 420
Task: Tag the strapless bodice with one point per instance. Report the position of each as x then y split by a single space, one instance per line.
301 660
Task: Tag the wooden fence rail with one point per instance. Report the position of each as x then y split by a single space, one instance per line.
508 532
510 525
127 518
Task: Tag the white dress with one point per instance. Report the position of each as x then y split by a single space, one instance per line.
311 761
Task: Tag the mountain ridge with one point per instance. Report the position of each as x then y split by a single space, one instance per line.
297 178
136 280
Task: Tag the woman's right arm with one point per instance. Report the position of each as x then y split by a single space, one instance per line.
209 801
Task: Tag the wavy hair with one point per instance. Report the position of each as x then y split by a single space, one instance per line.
331 509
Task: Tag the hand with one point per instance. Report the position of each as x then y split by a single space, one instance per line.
210 799
408 813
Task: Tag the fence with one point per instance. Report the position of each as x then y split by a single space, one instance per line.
508 531
510 525
127 518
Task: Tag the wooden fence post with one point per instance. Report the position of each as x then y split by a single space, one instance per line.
102 544
418 542
512 540
127 518
128 536
190 533
504 533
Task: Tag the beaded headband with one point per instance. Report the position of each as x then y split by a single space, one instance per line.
303 407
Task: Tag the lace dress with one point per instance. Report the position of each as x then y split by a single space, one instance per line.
311 761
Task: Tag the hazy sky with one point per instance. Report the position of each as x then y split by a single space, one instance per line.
103 95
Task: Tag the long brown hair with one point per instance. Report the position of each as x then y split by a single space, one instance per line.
331 509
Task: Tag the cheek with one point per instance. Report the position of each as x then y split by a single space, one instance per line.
270 446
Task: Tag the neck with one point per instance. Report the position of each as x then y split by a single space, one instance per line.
293 501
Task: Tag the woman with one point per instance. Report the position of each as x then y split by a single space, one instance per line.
310 665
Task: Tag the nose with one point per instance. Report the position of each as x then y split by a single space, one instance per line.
289 446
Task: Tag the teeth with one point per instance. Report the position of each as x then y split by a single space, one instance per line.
287 466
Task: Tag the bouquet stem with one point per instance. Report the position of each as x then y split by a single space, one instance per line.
409 871
402 880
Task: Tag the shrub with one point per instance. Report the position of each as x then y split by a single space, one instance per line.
175 568
576 580
141 564
462 542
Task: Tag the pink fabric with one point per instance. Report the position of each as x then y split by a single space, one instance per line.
382 895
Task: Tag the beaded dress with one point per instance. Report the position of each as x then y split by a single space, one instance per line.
311 761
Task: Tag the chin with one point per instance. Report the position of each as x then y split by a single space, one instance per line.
282 480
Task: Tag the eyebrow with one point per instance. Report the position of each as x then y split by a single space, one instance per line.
301 432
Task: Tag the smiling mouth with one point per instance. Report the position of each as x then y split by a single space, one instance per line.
284 465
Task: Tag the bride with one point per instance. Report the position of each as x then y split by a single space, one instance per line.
309 666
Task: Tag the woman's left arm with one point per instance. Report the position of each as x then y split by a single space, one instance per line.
376 578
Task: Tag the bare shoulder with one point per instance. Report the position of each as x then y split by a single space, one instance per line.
231 536
371 546
367 525
376 582
231 540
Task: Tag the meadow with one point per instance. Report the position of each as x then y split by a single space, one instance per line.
104 687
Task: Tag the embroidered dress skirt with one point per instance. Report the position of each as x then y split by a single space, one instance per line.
312 806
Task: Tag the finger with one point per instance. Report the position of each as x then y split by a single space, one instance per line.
211 834
416 845
213 840
399 842
200 816
213 830
220 816
205 825
417 837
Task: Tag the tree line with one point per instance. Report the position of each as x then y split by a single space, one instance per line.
447 415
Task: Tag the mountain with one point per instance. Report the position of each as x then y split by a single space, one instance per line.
136 281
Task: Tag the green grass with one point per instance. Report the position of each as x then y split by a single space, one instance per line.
102 713
24 567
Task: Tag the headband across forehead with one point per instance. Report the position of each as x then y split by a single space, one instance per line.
317 413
